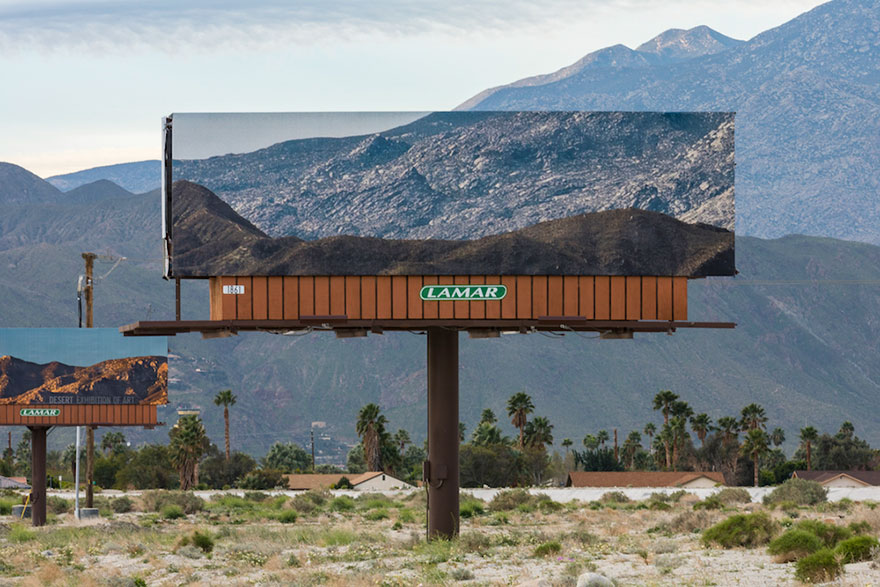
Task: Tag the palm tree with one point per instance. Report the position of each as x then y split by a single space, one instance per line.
188 443
112 442
488 416
846 431
370 427
808 436
631 445
729 427
650 430
401 439
486 434
602 437
666 436
539 432
678 428
566 443
756 444
461 430
663 401
753 416
701 424
591 442
519 406
777 437
225 398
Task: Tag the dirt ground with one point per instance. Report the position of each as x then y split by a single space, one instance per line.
325 539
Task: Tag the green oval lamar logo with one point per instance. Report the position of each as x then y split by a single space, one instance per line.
39 412
469 293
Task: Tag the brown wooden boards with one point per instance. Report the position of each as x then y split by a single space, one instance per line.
78 415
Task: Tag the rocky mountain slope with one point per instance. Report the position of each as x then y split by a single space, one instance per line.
134 380
137 177
211 239
807 100
467 175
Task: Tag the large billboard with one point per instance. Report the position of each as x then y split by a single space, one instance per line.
54 367
450 193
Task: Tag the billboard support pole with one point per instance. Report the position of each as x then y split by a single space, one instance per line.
441 470
90 430
38 475
76 475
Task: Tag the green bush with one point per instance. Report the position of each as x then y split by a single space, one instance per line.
856 549
859 528
829 534
799 491
342 503
469 507
263 479
122 504
548 506
614 497
6 506
203 541
510 499
820 567
793 545
733 495
172 512
749 530
710 503
257 496
57 505
188 502
287 517
343 483
376 515
548 548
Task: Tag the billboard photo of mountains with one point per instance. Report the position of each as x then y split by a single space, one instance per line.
71 366
452 193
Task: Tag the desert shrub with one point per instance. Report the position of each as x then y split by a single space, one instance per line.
122 504
793 545
469 507
263 479
819 567
257 496
859 528
203 541
172 512
548 548
376 514
614 497
188 502
689 521
311 500
548 506
342 503
474 542
710 503
461 574
510 499
406 516
856 549
799 491
749 530
6 506
733 495
287 517
57 505
829 534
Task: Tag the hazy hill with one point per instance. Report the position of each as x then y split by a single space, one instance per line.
102 189
136 177
20 186
807 100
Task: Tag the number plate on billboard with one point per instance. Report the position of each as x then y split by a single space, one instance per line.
235 290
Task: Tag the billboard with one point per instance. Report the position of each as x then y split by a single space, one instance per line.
449 193
57 367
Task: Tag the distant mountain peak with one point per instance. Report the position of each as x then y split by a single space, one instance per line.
681 44
20 186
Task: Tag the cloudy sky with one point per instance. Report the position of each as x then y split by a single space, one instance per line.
85 82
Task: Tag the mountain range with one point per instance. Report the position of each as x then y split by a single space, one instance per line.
133 380
211 239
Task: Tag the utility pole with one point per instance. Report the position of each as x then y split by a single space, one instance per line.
90 430
312 432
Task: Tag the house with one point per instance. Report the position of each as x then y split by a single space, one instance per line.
840 478
372 481
13 483
689 479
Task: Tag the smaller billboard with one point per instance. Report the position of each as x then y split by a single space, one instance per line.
49 367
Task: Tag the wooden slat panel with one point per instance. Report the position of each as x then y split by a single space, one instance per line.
679 298
555 295
383 297
398 297
493 309
215 310
413 301
462 309
603 298
570 296
291 298
430 310
322 295
664 298
446 310
523 296
539 296
633 298
245 302
117 413
276 298
477 309
228 303
649 298
618 297
337 295
306 296
261 298
368 297
353 297
508 304
587 297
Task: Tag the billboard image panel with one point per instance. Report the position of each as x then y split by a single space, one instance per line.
81 366
451 193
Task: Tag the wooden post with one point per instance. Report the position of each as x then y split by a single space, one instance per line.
441 470
38 475
90 430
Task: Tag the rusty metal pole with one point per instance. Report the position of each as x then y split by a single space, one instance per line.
442 468
38 475
90 430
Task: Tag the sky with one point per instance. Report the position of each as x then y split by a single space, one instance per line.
80 347
87 82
